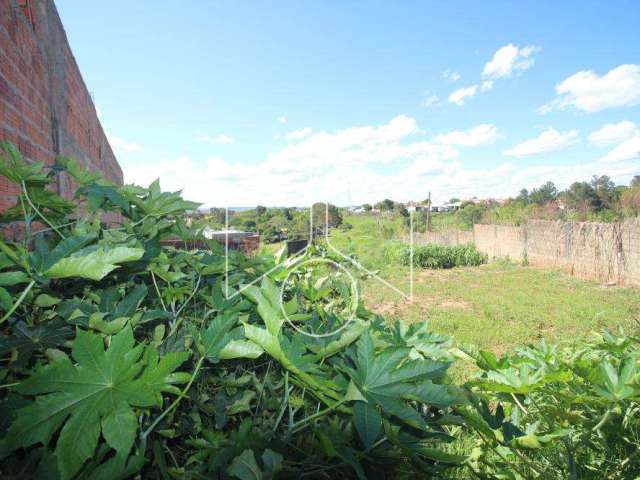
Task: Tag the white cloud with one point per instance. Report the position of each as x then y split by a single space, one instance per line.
626 151
509 59
451 75
120 145
282 119
221 139
586 91
299 134
614 133
430 100
459 96
626 136
483 134
548 141
362 164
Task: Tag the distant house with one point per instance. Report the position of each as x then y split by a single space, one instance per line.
416 207
237 239
452 206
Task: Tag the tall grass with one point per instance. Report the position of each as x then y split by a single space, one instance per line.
443 256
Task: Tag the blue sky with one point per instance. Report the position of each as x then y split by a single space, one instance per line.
286 103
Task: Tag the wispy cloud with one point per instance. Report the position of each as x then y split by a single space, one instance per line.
548 141
460 96
299 134
451 75
220 139
430 100
614 133
483 134
625 135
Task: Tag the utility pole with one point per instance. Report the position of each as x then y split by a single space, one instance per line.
429 212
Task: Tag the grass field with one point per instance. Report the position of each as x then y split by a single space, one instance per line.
497 306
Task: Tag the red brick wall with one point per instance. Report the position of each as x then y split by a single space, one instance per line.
45 107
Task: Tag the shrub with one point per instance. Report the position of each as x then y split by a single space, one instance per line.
569 412
443 256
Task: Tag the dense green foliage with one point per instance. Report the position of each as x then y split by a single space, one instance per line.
123 357
435 255
564 412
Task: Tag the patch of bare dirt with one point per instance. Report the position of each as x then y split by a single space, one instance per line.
450 304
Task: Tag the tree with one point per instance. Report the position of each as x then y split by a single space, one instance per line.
630 200
523 196
604 188
582 196
325 214
454 200
260 210
543 194
218 214
288 213
635 181
402 210
470 214
366 207
385 205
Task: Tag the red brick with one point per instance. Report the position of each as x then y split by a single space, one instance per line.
27 103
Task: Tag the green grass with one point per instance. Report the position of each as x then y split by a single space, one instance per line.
497 306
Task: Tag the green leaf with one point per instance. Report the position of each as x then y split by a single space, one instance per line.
119 429
368 423
217 335
16 169
98 392
244 467
97 322
6 301
268 299
240 349
349 335
390 380
44 300
26 339
272 462
440 456
43 260
8 279
94 265
353 393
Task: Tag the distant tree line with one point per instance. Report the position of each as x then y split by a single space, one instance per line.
275 224
599 199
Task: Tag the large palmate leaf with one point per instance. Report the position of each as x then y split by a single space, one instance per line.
290 353
156 202
16 169
93 263
522 380
389 378
94 397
